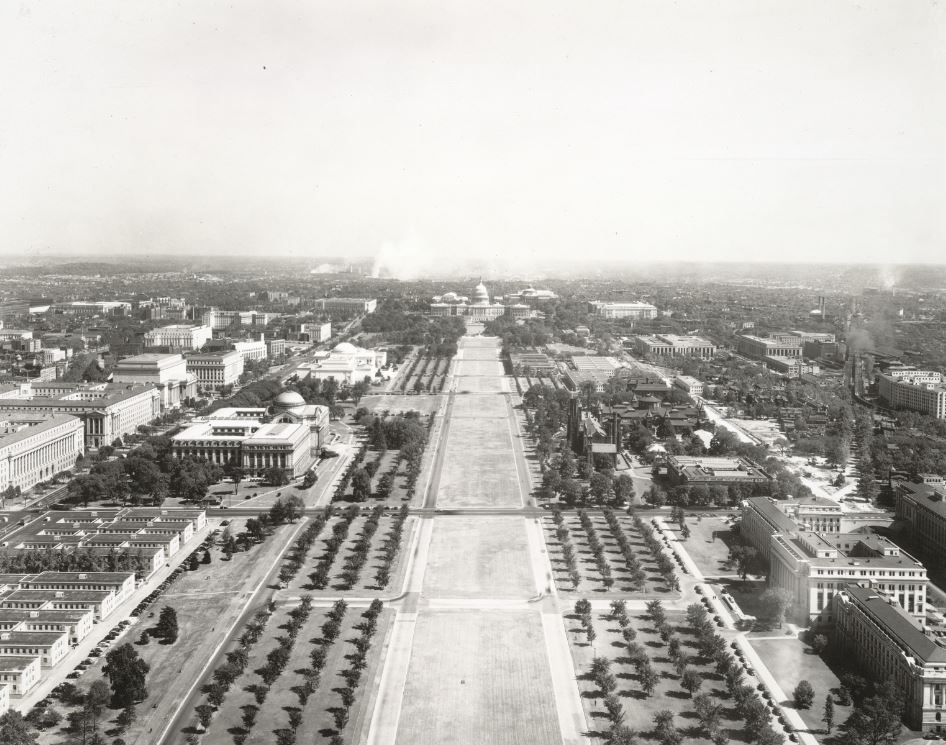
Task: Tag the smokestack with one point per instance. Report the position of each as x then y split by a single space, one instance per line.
821 305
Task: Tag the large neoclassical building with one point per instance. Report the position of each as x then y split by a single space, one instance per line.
288 435
480 308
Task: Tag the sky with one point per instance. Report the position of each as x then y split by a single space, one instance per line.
427 133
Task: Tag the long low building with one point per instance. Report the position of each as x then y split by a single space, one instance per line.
107 410
758 347
671 345
708 471
890 645
33 448
20 673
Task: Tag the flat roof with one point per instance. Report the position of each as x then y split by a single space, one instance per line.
118 577
37 638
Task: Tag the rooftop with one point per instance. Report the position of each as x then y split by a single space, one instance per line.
895 621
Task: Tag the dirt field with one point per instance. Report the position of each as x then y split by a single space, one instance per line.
479 556
478 678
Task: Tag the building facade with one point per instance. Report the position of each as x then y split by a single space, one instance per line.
916 390
347 304
316 332
178 337
890 645
166 372
636 310
758 347
107 410
671 345
33 449
216 370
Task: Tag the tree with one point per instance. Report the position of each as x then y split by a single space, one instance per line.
360 485
649 678
708 712
14 730
167 625
294 507
819 644
691 681
742 556
623 489
803 695
776 601
309 479
828 716
275 476
127 674
876 721
665 730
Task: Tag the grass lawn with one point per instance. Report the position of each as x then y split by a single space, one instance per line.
587 566
669 694
282 698
478 678
479 468
791 661
483 556
366 585
707 544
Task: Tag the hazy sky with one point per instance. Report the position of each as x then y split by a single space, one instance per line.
706 130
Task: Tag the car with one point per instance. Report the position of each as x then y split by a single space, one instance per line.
75 674
932 736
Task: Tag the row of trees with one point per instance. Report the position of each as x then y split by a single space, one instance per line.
392 545
293 563
664 564
320 576
568 550
358 661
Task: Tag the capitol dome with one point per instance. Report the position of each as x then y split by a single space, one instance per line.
345 348
288 400
480 295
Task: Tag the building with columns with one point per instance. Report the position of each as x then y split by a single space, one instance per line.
167 372
215 370
34 448
179 337
480 308
287 436
107 410
890 645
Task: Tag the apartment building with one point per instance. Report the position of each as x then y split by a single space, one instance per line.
916 390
